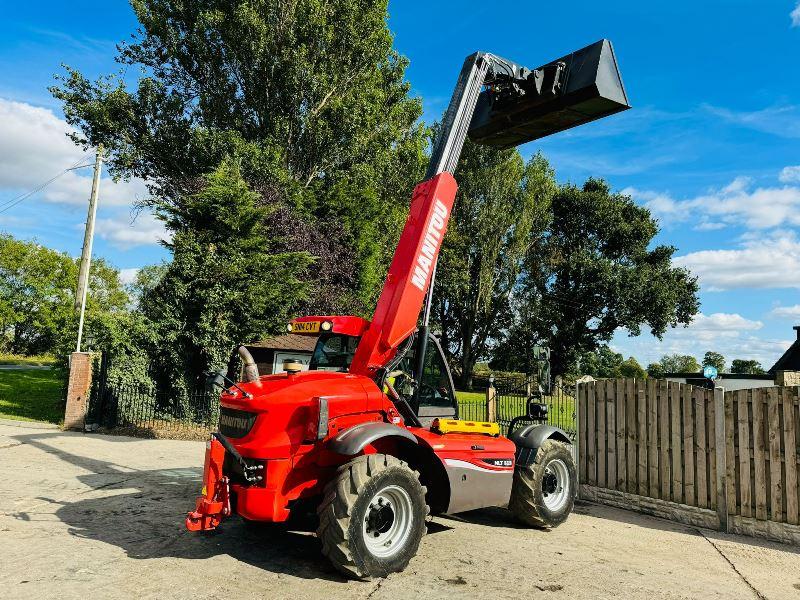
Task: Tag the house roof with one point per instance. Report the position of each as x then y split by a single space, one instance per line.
289 341
790 361
762 376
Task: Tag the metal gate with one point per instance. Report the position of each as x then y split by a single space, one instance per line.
512 397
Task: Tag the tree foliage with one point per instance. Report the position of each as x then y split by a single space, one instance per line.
605 363
746 367
594 272
674 363
309 95
226 283
37 298
715 359
500 209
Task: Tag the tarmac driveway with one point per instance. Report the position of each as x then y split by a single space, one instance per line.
93 516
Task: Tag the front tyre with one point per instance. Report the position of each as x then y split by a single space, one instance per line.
543 493
372 517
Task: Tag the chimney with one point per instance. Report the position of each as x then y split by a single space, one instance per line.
797 329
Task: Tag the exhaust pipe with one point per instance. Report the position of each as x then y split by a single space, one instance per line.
250 371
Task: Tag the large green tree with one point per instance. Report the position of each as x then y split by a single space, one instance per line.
596 271
674 363
37 298
309 94
747 367
715 359
226 283
500 209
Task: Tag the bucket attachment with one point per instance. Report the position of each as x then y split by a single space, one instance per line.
524 105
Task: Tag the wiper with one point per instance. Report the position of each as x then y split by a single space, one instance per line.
212 374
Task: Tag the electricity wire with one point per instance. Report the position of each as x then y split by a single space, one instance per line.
11 203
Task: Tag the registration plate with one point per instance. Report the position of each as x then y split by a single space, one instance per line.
305 327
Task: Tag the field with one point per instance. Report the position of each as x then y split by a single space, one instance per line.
31 395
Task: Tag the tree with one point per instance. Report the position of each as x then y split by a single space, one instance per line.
501 206
594 272
655 370
631 368
226 284
311 97
604 363
37 298
679 363
747 367
715 359
600 363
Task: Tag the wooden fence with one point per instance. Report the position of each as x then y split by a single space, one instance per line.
726 460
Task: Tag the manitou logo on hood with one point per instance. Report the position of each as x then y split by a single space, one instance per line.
430 246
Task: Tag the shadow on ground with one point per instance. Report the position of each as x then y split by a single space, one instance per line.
143 512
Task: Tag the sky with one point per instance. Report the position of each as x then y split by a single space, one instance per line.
711 146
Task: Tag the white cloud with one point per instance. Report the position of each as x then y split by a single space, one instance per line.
786 312
128 276
128 232
790 175
34 147
731 334
760 262
795 16
736 204
782 121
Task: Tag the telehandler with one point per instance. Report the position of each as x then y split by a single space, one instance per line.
370 434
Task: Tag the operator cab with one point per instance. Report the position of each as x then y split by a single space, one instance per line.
337 341
436 397
334 352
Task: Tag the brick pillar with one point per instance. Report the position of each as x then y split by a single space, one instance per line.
80 382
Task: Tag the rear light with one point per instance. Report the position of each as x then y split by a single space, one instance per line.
317 426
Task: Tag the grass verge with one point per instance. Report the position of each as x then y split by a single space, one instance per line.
31 395
18 359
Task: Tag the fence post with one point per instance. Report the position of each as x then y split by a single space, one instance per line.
491 402
721 443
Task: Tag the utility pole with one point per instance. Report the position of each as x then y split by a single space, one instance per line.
88 238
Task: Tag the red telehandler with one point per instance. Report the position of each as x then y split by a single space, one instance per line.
370 435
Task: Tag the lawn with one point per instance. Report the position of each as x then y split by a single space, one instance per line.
31 395
18 359
469 397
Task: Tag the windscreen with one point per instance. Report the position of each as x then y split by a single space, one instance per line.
334 352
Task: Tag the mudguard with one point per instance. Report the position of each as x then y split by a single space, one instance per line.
530 438
352 441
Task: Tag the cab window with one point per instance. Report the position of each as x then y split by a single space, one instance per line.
334 352
435 388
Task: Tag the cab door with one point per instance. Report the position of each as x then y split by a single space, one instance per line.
437 397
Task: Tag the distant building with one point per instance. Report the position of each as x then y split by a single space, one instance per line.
790 361
270 353
729 381
787 370
784 372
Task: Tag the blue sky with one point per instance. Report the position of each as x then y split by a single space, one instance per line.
711 146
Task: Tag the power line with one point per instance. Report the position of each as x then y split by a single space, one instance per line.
11 203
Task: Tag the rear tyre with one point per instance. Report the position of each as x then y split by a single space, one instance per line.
372 517
543 493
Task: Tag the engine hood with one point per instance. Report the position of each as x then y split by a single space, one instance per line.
301 387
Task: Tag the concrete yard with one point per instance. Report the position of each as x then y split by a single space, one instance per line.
94 516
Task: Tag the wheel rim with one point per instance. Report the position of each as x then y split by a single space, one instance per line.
387 524
555 485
